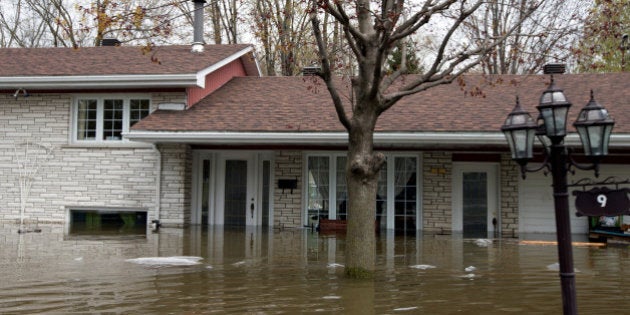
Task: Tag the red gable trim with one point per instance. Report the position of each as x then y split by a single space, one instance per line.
215 80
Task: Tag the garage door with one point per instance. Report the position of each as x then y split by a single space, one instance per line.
536 207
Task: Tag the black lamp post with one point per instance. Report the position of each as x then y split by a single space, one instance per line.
594 126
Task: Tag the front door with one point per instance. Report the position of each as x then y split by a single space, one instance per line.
236 193
475 198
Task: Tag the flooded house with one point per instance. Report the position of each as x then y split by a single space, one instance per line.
198 137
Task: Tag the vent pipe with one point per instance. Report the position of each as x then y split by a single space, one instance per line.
197 45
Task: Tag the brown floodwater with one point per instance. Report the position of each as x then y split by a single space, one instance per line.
239 271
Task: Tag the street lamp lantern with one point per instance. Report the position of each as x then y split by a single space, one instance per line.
520 131
554 108
594 126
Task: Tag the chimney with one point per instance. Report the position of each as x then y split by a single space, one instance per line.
554 68
110 42
197 45
311 70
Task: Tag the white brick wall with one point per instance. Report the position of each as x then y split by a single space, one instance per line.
75 176
437 191
510 173
287 202
176 184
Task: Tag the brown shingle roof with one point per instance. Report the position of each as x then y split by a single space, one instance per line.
110 60
283 104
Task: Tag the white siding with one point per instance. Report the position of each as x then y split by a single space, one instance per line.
536 209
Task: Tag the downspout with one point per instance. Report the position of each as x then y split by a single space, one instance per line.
155 224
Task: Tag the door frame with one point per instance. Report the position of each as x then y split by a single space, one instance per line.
492 169
216 189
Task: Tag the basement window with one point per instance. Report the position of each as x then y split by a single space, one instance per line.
106 118
107 222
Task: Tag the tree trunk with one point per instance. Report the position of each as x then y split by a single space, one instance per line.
362 176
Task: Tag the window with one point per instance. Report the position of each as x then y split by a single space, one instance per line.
397 191
100 119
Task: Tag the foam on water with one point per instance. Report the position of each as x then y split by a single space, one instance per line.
166 261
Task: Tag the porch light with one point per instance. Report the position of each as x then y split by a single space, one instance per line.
554 108
594 126
519 129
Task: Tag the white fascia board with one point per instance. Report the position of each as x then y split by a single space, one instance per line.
99 81
201 75
306 138
341 138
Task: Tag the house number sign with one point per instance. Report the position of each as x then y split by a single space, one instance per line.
602 201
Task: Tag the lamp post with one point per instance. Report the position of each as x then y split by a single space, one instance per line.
594 126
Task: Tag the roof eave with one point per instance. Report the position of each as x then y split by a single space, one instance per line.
99 81
313 138
417 139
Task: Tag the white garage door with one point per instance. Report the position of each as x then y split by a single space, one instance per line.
536 207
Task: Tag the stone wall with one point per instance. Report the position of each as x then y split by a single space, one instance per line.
288 202
437 191
510 173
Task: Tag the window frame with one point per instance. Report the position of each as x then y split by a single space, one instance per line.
100 116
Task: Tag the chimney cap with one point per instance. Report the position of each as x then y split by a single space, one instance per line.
554 68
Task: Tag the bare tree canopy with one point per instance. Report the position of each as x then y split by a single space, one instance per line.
372 29
546 36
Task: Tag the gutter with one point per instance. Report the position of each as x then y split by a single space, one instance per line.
341 138
100 81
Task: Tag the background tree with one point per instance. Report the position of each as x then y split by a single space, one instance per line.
546 36
601 48
36 23
282 33
412 63
372 29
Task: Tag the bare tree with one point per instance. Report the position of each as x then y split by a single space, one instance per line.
282 30
546 36
372 29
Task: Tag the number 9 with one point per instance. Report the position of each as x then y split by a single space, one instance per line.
601 199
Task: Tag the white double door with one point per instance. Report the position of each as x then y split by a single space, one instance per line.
233 188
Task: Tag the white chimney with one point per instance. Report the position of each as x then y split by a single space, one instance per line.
197 45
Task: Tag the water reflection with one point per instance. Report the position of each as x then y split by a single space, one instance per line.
296 271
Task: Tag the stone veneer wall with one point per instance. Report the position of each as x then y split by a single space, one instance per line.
176 184
287 202
437 191
510 174
121 176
